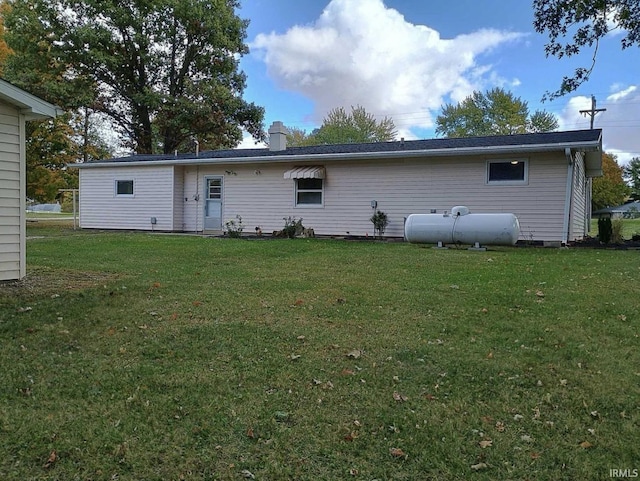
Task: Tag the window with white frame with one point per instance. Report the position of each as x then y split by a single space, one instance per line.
309 192
124 188
507 172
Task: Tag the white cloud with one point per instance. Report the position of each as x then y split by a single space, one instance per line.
248 142
620 123
359 52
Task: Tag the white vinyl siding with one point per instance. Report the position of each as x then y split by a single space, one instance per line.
178 198
102 208
401 187
578 217
12 195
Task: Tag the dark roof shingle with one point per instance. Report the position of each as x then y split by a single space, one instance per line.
546 138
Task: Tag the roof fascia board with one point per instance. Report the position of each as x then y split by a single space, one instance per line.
450 152
30 106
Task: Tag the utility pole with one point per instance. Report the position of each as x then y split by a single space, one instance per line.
593 111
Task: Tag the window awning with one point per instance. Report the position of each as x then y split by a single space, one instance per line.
308 172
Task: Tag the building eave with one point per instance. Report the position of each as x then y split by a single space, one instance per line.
355 156
32 107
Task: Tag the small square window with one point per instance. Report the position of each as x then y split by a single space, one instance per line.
124 187
309 192
507 172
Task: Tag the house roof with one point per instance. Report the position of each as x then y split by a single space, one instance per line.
589 141
32 107
628 207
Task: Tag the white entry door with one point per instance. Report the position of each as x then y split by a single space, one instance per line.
213 203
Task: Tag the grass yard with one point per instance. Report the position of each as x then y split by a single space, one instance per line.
630 227
134 356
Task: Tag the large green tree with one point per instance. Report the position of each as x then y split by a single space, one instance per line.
609 190
632 176
573 25
495 112
165 71
342 127
50 144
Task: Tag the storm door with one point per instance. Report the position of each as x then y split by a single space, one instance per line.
213 203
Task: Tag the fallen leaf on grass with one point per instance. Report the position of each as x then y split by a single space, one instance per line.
250 433
53 457
397 453
355 354
485 443
586 445
351 436
347 372
479 466
500 427
399 397
539 293
298 302
535 455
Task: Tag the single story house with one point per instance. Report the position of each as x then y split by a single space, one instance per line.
543 178
16 107
630 210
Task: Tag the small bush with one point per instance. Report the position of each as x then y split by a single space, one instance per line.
380 222
604 229
616 231
234 227
292 227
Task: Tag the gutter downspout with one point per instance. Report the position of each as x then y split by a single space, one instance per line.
568 197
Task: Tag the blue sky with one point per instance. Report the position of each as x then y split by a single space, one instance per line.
404 59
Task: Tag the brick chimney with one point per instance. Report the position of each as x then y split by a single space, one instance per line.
277 136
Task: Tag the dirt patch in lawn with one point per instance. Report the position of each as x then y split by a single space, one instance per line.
46 282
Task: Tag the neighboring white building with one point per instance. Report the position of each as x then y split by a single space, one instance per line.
545 179
16 107
630 210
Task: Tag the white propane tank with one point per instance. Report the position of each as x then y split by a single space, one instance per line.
462 227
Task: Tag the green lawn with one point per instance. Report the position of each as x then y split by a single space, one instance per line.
630 227
135 356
